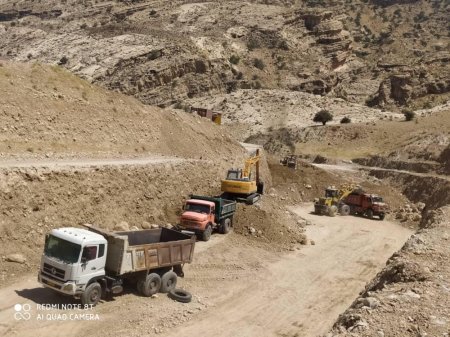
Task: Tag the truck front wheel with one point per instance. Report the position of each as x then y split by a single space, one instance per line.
207 233
369 214
382 216
92 294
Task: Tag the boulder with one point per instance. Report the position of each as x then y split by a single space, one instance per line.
17 258
146 225
369 302
122 226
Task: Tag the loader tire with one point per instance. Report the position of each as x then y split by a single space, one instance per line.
168 282
345 210
332 211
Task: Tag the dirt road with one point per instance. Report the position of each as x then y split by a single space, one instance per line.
248 292
302 294
87 162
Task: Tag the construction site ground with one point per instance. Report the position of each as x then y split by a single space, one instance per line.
72 153
239 289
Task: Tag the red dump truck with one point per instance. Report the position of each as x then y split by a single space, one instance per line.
365 204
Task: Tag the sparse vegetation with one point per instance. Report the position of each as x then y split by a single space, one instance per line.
358 19
63 60
421 17
257 85
234 59
258 63
253 44
283 45
323 116
154 54
346 120
409 115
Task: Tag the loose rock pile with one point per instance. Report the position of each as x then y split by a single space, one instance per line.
410 212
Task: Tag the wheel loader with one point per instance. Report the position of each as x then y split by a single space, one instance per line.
333 202
241 185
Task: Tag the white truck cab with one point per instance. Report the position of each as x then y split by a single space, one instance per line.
72 257
92 263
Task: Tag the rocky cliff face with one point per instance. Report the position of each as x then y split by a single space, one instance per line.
166 52
401 88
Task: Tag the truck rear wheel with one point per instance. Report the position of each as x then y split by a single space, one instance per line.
345 210
225 226
92 294
150 285
207 233
168 282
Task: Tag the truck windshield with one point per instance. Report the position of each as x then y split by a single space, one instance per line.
63 250
377 199
197 208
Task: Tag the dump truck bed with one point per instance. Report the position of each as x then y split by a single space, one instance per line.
133 251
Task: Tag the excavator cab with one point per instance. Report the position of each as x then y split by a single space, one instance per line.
236 174
240 185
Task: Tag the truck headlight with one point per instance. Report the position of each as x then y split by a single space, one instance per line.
69 287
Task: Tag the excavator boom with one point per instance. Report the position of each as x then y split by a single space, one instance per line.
249 163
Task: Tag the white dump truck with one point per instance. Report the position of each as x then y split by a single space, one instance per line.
91 263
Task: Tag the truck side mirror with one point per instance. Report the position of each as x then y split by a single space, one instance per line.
83 260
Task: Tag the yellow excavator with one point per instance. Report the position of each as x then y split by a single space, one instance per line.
241 185
332 202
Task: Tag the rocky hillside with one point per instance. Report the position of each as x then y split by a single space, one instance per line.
376 52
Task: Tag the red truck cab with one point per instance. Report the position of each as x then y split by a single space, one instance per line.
197 214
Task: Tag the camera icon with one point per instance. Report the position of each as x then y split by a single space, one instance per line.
22 312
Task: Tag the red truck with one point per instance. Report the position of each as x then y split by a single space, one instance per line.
202 215
365 204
